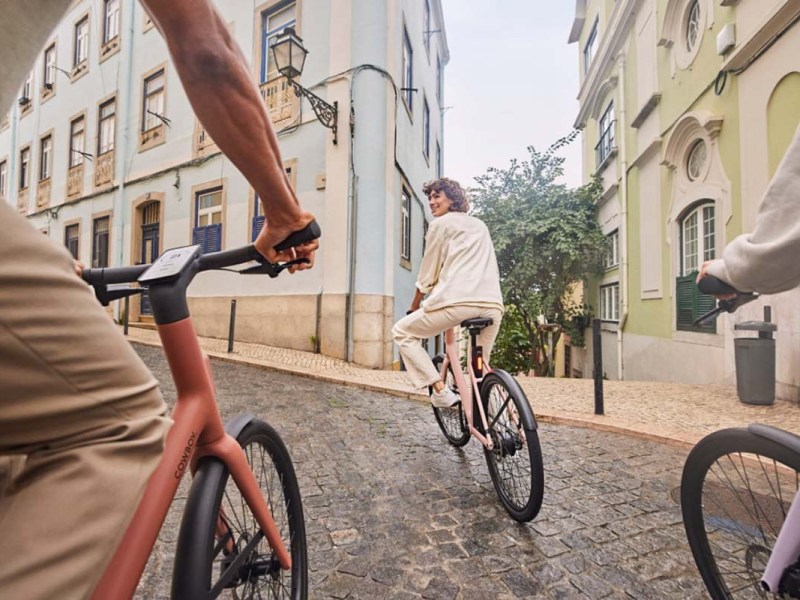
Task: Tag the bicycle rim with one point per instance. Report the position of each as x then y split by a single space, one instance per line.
232 558
735 492
452 421
515 462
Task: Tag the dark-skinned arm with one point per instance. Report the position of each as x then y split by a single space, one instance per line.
219 85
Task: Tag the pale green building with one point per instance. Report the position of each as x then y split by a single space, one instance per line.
686 108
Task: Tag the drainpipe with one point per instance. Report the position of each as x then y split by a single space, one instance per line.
623 238
123 101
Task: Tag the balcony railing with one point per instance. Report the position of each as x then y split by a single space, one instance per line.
606 147
283 105
22 200
43 194
104 169
75 181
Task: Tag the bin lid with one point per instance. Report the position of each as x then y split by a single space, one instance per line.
756 326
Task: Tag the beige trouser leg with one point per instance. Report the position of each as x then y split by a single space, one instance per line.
409 332
80 408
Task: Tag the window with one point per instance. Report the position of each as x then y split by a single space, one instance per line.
609 302
408 71
3 178
272 24
405 234
439 81
81 42
100 228
208 220
698 244
693 25
590 48
110 20
105 127
438 160
153 105
606 144
24 168
611 258
77 139
696 160
27 90
426 34
49 74
72 238
426 128
45 157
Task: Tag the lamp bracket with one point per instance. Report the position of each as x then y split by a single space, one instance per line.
325 112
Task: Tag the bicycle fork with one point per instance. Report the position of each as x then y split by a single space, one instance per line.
785 554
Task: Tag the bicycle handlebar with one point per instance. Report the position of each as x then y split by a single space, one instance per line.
716 287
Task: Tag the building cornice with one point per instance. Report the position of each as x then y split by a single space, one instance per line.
580 19
437 9
616 34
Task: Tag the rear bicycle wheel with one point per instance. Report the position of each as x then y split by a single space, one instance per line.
736 489
221 551
515 462
452 421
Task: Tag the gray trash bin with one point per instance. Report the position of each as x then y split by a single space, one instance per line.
755 361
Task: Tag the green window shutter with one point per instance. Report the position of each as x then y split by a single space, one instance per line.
691 304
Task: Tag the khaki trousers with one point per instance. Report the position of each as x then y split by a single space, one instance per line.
80 416
409 332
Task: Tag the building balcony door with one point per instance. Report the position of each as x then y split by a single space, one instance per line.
150 246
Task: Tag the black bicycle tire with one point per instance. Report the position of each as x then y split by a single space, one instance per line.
705 454
193 570
533 505
456 440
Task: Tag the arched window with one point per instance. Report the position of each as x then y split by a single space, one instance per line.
697 245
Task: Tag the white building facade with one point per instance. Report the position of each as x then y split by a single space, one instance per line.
103 153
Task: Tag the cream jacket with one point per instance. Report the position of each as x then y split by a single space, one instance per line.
459 266
768 260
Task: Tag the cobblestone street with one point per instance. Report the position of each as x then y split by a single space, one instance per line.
394 512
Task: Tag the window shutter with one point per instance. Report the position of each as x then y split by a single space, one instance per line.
691 304
209 238
258 225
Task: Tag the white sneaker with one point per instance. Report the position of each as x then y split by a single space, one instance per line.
444 399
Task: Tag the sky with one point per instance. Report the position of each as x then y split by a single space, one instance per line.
512 82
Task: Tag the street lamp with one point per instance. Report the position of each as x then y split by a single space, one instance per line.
290 56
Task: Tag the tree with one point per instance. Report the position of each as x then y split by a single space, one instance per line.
547 239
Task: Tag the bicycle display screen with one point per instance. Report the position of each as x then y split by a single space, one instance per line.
170 264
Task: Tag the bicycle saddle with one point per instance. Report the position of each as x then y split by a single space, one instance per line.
477 324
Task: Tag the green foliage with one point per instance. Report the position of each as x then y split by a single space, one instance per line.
547 239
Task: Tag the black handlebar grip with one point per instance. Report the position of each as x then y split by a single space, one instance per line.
306 234
713 286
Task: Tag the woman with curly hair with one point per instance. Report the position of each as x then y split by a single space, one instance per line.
460 277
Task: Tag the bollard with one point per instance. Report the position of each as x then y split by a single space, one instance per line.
232 325
127 312
597 356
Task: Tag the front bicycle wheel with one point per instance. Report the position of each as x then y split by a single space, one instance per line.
515 462
735 491
452 421
221 551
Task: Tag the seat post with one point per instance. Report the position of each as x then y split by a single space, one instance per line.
476 352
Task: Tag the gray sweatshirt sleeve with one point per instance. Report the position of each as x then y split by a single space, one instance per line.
768 259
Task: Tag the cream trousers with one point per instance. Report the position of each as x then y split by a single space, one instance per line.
409 332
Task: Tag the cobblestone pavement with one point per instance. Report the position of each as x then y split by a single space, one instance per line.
394 513
679 414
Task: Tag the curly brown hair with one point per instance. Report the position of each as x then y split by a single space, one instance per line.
452 189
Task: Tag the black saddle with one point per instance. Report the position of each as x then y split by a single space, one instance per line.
476 324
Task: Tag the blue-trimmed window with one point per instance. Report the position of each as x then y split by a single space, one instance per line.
439 81
408 72
208 220
405 223
273 22
427 21
438 160
100 228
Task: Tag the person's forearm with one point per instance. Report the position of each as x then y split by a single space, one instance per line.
418 296
220 87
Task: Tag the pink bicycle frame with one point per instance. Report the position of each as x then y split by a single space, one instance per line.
466 391
197 431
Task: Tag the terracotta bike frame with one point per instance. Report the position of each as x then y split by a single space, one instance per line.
197 432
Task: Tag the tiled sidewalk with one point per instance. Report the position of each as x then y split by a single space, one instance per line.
679 414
